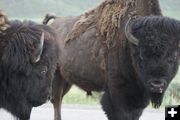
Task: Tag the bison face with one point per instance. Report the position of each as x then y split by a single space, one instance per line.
28 62
155 54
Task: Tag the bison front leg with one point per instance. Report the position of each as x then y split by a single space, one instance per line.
118 107
108 106
59 89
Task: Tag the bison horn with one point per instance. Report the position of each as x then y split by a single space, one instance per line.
38 52
129 35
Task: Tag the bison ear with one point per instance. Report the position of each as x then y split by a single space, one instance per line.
38 51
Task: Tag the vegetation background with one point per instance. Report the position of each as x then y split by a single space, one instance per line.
36 10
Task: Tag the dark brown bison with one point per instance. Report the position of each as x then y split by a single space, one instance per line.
28 60
125 48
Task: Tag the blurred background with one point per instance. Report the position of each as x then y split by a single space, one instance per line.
36 10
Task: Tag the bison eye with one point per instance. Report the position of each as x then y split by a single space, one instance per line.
44 70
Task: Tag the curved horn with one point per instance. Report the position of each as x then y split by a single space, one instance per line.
129 35
48 17
4 22
38 51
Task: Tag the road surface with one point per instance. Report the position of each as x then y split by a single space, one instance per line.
78 112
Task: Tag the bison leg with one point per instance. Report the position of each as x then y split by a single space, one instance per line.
60 88
116 107
137 113
107 106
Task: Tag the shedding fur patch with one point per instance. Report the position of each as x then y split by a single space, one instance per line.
106 18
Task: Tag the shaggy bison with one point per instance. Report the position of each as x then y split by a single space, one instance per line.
28 60
126 49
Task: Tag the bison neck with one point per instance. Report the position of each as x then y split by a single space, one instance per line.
120 66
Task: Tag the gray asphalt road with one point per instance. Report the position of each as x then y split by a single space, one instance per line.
74 112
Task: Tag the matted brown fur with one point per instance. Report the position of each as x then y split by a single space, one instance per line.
106 18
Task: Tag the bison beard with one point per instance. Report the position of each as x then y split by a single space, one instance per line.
156 99
28 62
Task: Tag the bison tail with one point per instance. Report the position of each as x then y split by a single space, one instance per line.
48 17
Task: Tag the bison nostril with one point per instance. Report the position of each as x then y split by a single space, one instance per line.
157 86
158 83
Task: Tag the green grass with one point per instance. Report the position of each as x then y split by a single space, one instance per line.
77 96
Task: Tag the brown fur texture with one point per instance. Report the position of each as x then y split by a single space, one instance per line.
108 17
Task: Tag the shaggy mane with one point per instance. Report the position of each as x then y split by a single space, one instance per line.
105 17
109 17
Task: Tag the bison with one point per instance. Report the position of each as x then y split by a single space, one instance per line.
28 61
125 48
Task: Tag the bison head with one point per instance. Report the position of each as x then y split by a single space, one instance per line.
154 47
28 60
